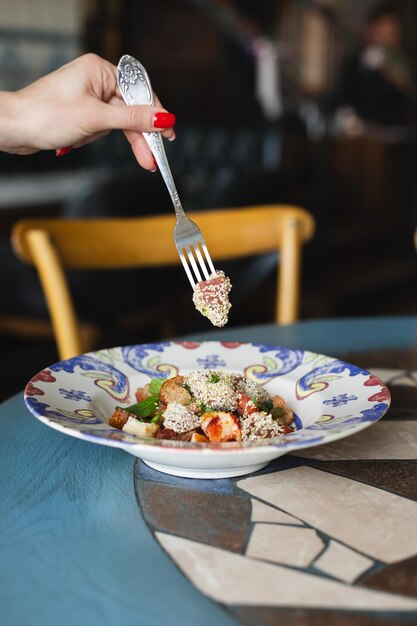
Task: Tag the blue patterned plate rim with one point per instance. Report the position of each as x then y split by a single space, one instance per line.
331 398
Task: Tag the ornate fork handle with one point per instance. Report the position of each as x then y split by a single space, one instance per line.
135 88
156 144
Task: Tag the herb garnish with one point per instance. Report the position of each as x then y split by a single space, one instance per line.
267 406
147 407
155 386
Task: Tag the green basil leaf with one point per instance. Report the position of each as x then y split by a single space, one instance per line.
205 408
145 408
214 378
155 386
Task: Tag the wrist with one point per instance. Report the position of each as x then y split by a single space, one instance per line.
10 123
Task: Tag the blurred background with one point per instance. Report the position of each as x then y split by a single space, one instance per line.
293 101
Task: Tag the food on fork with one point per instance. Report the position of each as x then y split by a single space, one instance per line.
206 406
211 298
212 294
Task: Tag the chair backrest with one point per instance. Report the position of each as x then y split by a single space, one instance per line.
52 245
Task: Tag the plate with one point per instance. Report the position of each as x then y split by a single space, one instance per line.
331 399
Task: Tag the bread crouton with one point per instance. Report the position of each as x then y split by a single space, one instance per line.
142 429
119 418
172 390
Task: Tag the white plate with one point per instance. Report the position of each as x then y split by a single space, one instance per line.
331 399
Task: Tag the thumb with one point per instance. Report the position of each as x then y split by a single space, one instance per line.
139 118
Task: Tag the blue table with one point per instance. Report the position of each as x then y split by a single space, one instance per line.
91 536
328 335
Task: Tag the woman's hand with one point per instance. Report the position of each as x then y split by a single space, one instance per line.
75 105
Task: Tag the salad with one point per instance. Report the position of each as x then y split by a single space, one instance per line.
205 406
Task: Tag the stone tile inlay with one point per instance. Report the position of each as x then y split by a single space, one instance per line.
272 616
287 545
397 578
404 402
323 537
359 515
398 477
402 359
343 563
210 517
385 440
234 579
395 376
264 513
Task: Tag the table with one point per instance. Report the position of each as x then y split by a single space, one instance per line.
91 535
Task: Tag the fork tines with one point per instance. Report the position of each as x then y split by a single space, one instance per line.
189 257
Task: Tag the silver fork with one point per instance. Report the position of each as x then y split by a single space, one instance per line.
135 88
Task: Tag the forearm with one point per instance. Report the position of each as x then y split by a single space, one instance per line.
74 105
11 139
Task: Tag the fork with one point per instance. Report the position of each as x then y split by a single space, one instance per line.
135 88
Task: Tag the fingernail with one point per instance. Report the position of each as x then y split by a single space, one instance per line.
61 151
164 120
172 137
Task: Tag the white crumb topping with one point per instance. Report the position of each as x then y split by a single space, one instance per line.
260 425
180 418
213 389
211 298
251 389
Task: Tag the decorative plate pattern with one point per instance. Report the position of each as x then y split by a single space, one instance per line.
331 399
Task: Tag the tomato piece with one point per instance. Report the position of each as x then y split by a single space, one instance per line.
245 405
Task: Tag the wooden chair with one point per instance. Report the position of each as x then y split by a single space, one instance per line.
53 245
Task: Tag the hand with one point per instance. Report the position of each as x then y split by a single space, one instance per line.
75 105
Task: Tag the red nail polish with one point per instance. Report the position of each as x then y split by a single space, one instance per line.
61 151
164 120
155 163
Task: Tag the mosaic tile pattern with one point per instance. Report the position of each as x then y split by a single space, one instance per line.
221 520
327 536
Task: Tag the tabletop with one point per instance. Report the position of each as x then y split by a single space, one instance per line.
327 535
